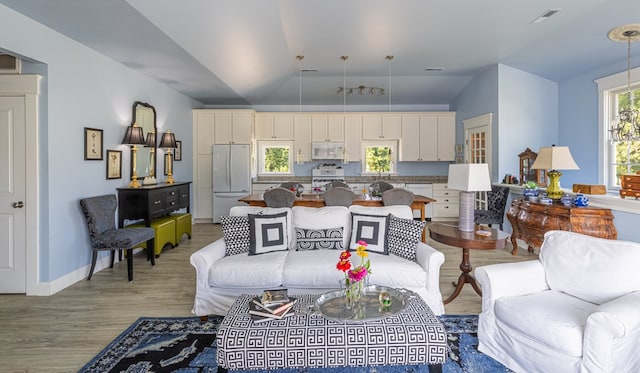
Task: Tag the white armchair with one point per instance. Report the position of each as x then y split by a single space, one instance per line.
575 309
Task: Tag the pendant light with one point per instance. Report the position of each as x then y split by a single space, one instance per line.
299 156
389 59
626 126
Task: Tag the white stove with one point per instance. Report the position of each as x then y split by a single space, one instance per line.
324 174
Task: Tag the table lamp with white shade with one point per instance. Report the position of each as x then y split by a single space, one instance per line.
468 178
554 158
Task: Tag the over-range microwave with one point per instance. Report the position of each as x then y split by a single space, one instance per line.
327 150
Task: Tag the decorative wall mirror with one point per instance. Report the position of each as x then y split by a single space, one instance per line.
144 115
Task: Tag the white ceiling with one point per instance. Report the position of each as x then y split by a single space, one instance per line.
243 52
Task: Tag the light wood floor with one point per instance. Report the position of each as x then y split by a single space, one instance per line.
62 332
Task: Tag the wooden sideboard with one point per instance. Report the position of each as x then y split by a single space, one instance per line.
530 221
152 201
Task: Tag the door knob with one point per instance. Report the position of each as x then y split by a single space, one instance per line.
18 205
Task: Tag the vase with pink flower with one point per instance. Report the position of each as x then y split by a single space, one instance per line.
355 277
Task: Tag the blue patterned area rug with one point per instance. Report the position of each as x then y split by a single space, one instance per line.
185 345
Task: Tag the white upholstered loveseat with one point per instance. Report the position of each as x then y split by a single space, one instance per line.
221 279
576 309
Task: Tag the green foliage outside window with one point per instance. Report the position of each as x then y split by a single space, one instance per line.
276 159
627 153
378 159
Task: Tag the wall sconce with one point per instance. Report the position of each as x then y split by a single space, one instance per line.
299 158
133 137
168 142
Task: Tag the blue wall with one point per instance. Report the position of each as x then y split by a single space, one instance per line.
82 88
528 112
578 113
524 108
479 97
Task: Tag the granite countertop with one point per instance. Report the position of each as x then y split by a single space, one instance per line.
354 179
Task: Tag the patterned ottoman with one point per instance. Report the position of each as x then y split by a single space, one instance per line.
414 336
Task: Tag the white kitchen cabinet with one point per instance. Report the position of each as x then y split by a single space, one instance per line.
212 126
352 139
381 126
274 126
326 127
428 137
302 136
447 205
232 127
203 131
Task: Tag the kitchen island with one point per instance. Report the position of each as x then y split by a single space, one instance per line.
316 200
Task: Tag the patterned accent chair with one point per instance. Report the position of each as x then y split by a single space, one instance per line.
279 197
100 215
339 196
496 205
397 196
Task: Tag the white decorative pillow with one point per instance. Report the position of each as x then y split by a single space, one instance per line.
403 236
372 229
235 230
268 233
316 239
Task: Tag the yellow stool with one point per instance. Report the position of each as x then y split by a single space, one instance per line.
165 232
183 225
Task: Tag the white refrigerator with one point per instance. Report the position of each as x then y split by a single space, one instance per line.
231 177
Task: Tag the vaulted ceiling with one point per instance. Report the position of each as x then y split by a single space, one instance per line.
243 52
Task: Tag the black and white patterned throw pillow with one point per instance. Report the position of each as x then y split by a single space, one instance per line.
268 233
235 230
317 239
372 229
403 236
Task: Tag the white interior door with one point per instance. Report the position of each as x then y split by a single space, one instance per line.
12 195
477 144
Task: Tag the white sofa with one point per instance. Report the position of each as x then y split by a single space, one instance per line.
576 309
221 279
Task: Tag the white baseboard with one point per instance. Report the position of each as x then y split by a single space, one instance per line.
80 274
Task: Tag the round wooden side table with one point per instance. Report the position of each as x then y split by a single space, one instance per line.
449 234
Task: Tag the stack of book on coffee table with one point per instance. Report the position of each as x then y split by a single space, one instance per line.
272 305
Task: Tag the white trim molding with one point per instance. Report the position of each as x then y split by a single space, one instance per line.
28 86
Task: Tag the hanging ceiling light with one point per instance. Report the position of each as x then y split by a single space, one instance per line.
626 126
299 155
361 89
300 58
389 59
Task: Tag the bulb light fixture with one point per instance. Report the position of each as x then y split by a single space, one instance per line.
626 125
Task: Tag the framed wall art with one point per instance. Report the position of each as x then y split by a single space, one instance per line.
92 144
114 164
177 155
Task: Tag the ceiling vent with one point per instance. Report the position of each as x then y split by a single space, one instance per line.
545 16
9 64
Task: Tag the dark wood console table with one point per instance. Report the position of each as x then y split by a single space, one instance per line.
152 201
530 221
